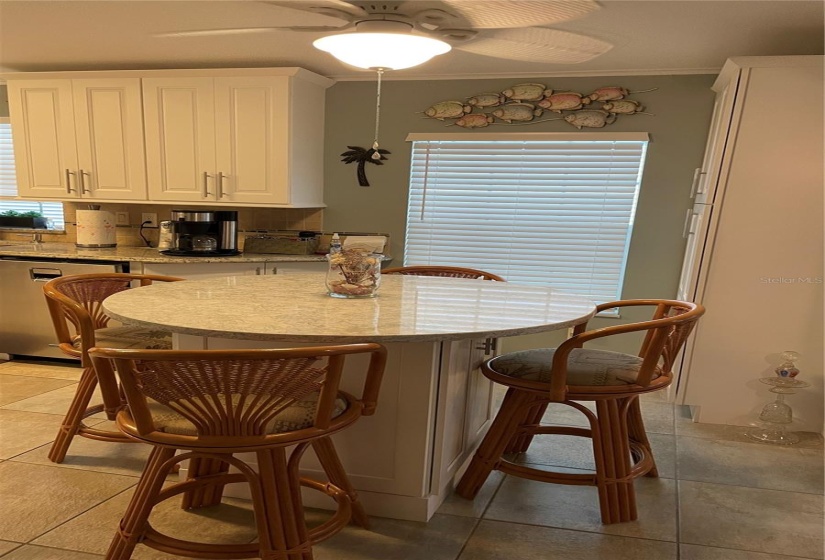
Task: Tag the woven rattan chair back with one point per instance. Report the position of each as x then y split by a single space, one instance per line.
75 307
446 271
215 403
613 381
232 397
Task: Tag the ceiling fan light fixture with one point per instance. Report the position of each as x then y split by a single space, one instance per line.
391 46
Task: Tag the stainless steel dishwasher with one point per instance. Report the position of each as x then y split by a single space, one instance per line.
25 324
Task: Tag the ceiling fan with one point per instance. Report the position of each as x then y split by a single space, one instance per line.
497 28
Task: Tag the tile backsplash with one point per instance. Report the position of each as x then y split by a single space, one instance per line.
250 220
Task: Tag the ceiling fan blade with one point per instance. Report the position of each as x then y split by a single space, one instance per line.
252 30
334 8
502 14
536 44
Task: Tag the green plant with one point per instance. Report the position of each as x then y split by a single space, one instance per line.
16 214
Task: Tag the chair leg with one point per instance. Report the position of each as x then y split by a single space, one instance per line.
205 495
328 457
521 442
133 523
611 451
74 417
282 532
637 432
501 432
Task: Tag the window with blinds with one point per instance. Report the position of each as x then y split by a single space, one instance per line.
546 209
8 184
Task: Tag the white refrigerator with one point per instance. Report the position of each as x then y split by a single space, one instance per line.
754 254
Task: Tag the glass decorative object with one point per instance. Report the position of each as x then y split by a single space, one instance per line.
353 274
776 416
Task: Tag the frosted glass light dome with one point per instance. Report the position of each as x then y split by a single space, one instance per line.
382 44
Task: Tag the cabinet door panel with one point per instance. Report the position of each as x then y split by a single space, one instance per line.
180 138
109 121
251 124
192 271
44 143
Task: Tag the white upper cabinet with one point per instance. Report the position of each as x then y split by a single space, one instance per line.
78 138
235 140
238 137
180 138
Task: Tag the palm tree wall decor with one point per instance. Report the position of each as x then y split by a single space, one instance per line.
362 156
373 155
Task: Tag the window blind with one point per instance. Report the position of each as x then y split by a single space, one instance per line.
8 184
553 212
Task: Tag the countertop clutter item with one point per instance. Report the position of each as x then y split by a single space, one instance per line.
96 228
302 243
165 235
204 233
353 274
367 243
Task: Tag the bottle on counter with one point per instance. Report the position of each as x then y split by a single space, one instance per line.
335 244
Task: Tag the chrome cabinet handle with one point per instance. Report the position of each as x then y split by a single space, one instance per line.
206 177
220 184
69 188
81 175
685 231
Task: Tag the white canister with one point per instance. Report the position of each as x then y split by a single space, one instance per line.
96 228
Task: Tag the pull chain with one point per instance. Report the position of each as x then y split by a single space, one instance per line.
375 154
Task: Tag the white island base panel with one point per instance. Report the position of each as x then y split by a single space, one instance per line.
433 409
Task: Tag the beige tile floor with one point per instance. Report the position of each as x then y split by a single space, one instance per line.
720 496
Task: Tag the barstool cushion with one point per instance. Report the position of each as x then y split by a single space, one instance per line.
585 367
298 416
131 337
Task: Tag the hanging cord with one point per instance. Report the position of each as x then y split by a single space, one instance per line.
375 154
140 232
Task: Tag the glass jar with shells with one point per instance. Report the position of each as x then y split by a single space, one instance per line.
353 274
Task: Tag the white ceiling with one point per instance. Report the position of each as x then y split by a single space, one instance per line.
649 37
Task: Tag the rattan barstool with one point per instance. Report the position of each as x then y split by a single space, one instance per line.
212 404
570 374
80 323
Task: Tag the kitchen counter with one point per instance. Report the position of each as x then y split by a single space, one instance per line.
134 254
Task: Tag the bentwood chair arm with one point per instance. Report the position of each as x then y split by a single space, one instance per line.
655 339
59 307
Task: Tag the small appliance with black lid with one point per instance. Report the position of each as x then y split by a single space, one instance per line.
204 233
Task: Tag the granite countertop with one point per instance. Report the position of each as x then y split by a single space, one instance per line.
296 308
133 254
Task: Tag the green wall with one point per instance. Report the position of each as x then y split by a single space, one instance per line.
4 101
682 107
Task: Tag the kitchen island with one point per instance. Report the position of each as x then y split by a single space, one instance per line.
434 405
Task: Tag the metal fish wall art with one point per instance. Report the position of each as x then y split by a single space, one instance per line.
476 120
611 93
624 107
447 110
483 100
526 92
521 104
517 112
566 101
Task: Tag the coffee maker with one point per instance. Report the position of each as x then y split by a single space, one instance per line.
199 233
